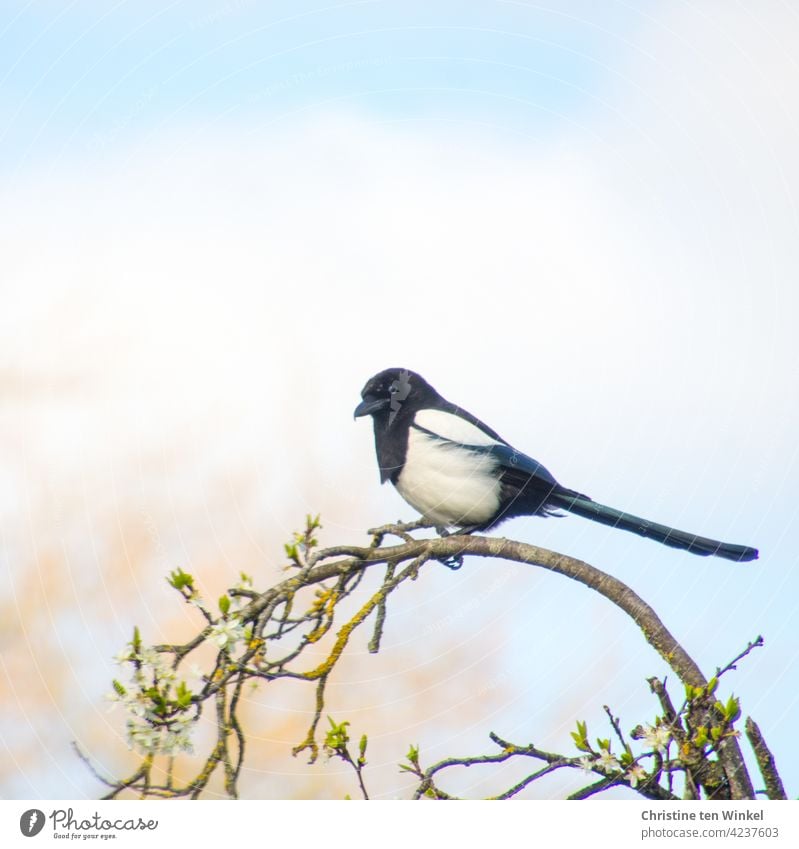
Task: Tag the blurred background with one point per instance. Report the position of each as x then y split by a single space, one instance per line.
577 220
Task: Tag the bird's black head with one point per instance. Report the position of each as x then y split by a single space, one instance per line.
391 391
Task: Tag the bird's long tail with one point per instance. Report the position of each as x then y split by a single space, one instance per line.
588 509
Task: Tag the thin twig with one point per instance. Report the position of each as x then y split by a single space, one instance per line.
374 643
592 789
755 644
615 724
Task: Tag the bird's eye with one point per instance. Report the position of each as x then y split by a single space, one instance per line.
392 389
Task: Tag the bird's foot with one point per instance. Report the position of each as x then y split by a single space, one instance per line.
453 562
464 531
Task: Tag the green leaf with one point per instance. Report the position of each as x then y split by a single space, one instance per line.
692 693
119 688
732 709
183 694
224 604
180 579
136 641
362 749
580 743
337 738
580 737
157 698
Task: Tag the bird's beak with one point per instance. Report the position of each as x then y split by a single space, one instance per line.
370 405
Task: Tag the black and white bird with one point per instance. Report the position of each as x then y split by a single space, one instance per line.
459 473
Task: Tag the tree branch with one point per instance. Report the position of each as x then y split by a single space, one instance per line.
653 629
765 761
334 572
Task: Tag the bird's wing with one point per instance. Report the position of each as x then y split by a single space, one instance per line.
455 425
526 487
471 434
516 466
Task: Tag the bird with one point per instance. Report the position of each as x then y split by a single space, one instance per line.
459 473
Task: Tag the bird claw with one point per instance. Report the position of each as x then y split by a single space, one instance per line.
453 562
466 530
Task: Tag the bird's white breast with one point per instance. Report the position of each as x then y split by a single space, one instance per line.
445 482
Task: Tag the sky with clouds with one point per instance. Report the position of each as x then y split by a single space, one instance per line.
577 220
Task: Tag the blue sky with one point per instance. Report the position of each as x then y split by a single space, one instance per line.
73 74
578 220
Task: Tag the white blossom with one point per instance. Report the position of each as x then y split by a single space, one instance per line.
636 774
148 731
138 705
167 738
143 737
607 762
196 672
113 698
657 738
227 633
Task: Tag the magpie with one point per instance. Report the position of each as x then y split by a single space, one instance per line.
459 473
